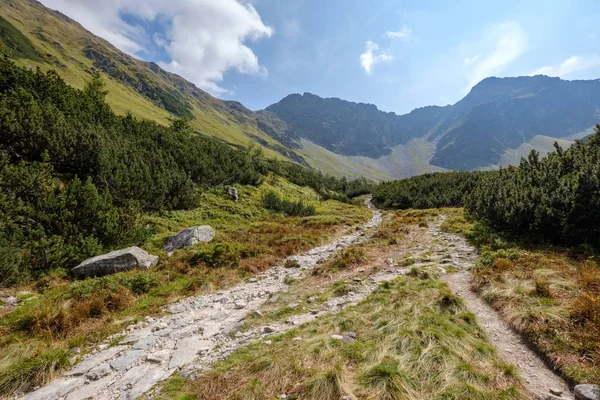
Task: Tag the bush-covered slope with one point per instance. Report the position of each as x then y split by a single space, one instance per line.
37 36
75 177
442 189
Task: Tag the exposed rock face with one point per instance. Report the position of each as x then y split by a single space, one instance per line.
189 237
587 392
232 193
116 261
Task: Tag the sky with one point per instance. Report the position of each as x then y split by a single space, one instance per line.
396 54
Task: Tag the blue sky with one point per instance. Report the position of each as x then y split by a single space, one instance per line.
398 55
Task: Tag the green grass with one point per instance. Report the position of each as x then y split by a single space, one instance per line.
415 340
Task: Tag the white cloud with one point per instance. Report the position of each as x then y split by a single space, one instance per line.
507 40
570 65
373 55
203 38
403 34
471 60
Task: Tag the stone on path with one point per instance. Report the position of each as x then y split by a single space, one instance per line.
210 329
55 390
189 237
587 392
90 390
98 372
115 261
94 360
187 350
126 360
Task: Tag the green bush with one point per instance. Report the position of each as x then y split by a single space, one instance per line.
554 199
291 208
218 255
443 189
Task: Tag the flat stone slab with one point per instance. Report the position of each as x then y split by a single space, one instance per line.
89 391
210 329
187 350
94 360
55 390
126 359
145 343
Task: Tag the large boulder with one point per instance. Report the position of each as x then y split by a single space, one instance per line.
189 237
116 261
587 392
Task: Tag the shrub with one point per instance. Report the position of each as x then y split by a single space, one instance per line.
217 255
551 200
272 202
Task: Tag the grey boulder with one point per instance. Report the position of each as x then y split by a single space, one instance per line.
189 237
116 261
587 392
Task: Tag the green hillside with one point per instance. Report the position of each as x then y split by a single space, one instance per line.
36 37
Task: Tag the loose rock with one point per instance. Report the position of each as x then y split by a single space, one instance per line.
189 237
115 261
587 392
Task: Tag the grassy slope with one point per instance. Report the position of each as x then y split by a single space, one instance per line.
404 161
543 144
415 340
61 41
550 295
58 313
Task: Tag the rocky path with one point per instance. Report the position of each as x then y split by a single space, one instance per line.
199 331
449 250
441 253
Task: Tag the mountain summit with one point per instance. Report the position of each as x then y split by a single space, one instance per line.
496 123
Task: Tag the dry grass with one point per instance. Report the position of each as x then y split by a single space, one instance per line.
551 299
415 340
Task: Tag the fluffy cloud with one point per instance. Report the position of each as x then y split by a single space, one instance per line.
570 65
373 55
507 40
202 38
403 34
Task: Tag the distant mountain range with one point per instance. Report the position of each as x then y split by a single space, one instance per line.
497 115
499 121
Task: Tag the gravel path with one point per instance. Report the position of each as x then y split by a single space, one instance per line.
538 378
198 332
205 329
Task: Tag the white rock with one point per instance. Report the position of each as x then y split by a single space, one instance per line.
239 304
189 237
210 329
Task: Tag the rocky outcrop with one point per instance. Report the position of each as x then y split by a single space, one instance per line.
116 261
189 237
232 192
